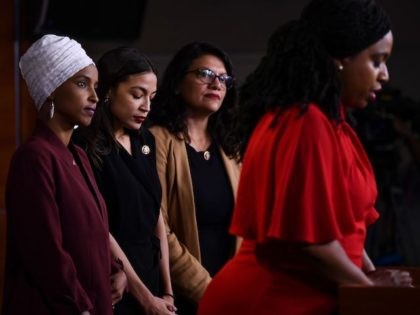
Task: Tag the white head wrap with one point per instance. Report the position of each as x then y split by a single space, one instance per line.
49 62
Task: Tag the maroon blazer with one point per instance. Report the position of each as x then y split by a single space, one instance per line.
58 256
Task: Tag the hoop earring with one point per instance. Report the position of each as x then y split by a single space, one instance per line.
52 110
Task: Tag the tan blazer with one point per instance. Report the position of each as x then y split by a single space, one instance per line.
189 277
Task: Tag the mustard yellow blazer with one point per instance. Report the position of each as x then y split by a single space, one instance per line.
189 277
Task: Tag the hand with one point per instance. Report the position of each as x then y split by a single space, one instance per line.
118 286
85 313
158 306
171 300
391 277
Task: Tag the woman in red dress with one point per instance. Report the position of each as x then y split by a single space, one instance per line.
307 190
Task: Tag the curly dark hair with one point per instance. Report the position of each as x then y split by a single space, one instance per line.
299 66
169 109
114 67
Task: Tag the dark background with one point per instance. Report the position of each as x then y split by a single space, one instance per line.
241 27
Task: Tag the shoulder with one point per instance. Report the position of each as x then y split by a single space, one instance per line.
36 156
160 132
310 121
314 124
35 149
164 137
314 116
228 160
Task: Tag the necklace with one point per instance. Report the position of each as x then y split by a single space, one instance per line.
197 148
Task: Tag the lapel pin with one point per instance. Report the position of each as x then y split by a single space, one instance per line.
145 149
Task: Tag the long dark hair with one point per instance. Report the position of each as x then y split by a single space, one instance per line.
114 67
299 66
169 109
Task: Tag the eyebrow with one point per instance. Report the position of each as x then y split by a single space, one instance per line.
383 54
207 68
83 76
143 89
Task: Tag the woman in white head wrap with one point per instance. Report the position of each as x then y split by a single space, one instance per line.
58 254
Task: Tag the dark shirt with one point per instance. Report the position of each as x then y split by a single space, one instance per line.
131 189
213 198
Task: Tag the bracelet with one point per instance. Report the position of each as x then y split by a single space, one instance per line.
169 294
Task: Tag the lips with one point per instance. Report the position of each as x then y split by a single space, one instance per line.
90 110
212 96
139 119
373 95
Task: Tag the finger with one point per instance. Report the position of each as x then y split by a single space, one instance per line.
172 308
406 281
116 295
116 289
404 274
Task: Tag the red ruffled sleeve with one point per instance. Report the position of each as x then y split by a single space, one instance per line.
292 184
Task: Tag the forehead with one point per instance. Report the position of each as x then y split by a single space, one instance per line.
208 61
382 46
90 72
143 78
385 43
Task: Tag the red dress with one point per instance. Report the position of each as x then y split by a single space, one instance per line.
304 180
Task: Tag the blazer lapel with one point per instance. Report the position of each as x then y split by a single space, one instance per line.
143 166
89 180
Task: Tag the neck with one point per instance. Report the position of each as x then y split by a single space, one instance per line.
197 125
62 130
199 136
119 134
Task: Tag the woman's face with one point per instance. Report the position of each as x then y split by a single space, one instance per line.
201 98
130 100
363 74
75 100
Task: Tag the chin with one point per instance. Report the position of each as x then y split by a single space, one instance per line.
133 126
357 104
83 122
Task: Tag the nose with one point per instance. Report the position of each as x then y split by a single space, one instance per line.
216 84
93 97
383 74
145 107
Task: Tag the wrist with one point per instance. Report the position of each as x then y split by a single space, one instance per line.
169 294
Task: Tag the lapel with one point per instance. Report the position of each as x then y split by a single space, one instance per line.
88 178
232 170
143 166
72 158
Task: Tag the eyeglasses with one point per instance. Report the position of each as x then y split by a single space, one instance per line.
208 76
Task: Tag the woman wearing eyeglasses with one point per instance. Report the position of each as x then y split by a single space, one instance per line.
189 117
